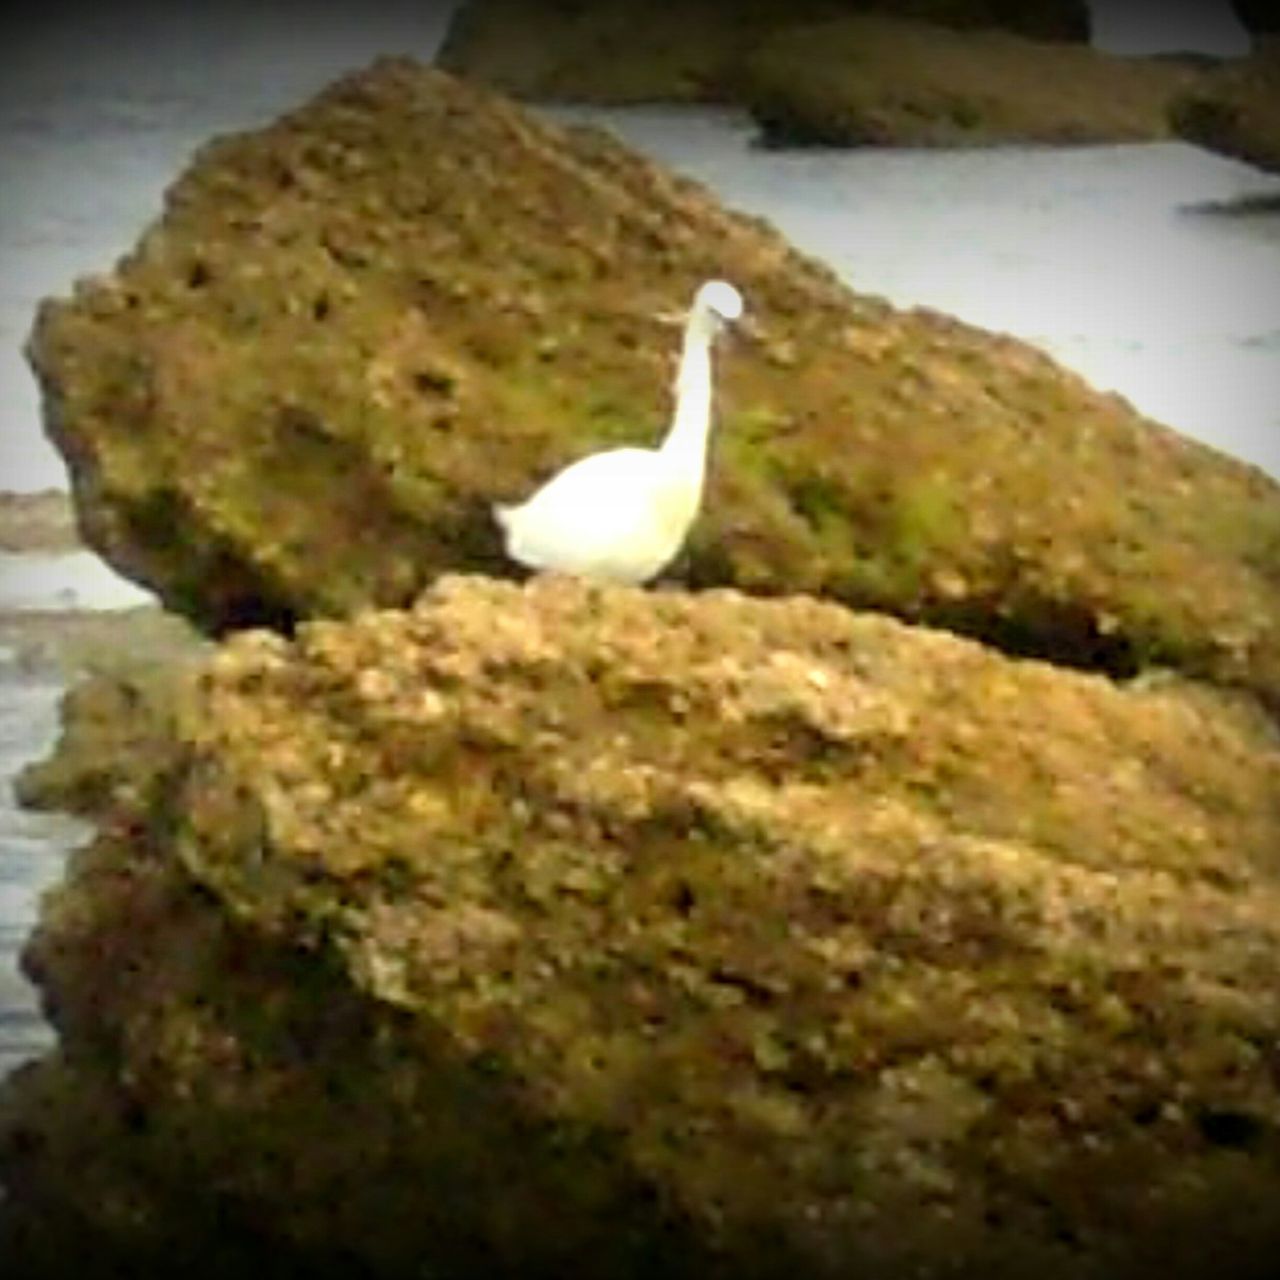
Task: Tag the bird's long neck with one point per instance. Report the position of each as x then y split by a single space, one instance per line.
685 445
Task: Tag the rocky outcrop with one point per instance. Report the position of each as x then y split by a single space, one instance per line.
822 72
1258 16
557 930
600 53
352 331
1237 110
117 727
43 521
886 81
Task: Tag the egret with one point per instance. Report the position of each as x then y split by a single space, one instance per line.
622 515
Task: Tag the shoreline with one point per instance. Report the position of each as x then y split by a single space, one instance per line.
43 520
63 611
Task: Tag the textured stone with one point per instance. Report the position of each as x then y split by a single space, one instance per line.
1237 110
873 80
599 52
557 930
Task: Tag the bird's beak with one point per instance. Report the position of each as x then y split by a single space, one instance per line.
674 319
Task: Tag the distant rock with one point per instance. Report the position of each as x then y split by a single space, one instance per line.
1237 110
39 529
601 53
873 80
822 72
756 938
65 644
354 330
43 521
1259 16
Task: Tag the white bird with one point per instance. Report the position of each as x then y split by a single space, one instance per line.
622 515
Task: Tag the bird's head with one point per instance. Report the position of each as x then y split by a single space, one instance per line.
720 299
715 305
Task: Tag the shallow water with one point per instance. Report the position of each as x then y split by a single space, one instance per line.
57 581
1106 256
32 848
33 845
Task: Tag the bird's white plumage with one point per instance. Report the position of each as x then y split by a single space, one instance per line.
721 297
622 515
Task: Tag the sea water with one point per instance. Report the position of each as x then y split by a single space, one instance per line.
32 847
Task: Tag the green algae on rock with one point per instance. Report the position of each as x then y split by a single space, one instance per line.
352 331
827 72
874 80
115 725
733 937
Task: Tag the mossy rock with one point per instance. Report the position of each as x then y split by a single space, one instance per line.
1237 110
874 80
546 49
114 727
569 931
354 330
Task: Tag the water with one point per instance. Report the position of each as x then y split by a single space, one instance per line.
32 847
49 581
1104 256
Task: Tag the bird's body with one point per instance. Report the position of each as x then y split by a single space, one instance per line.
619 516
622 515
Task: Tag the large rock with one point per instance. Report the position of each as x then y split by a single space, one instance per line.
1258 16
43 521
566 931
354 330
887 81
1237 109
600 53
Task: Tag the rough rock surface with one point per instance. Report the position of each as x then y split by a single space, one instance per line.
116 727
1237 109
354 330
872 80
556 930
600 53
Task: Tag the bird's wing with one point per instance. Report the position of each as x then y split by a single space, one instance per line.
596 501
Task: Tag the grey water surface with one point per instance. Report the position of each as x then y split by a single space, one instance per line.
32 848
